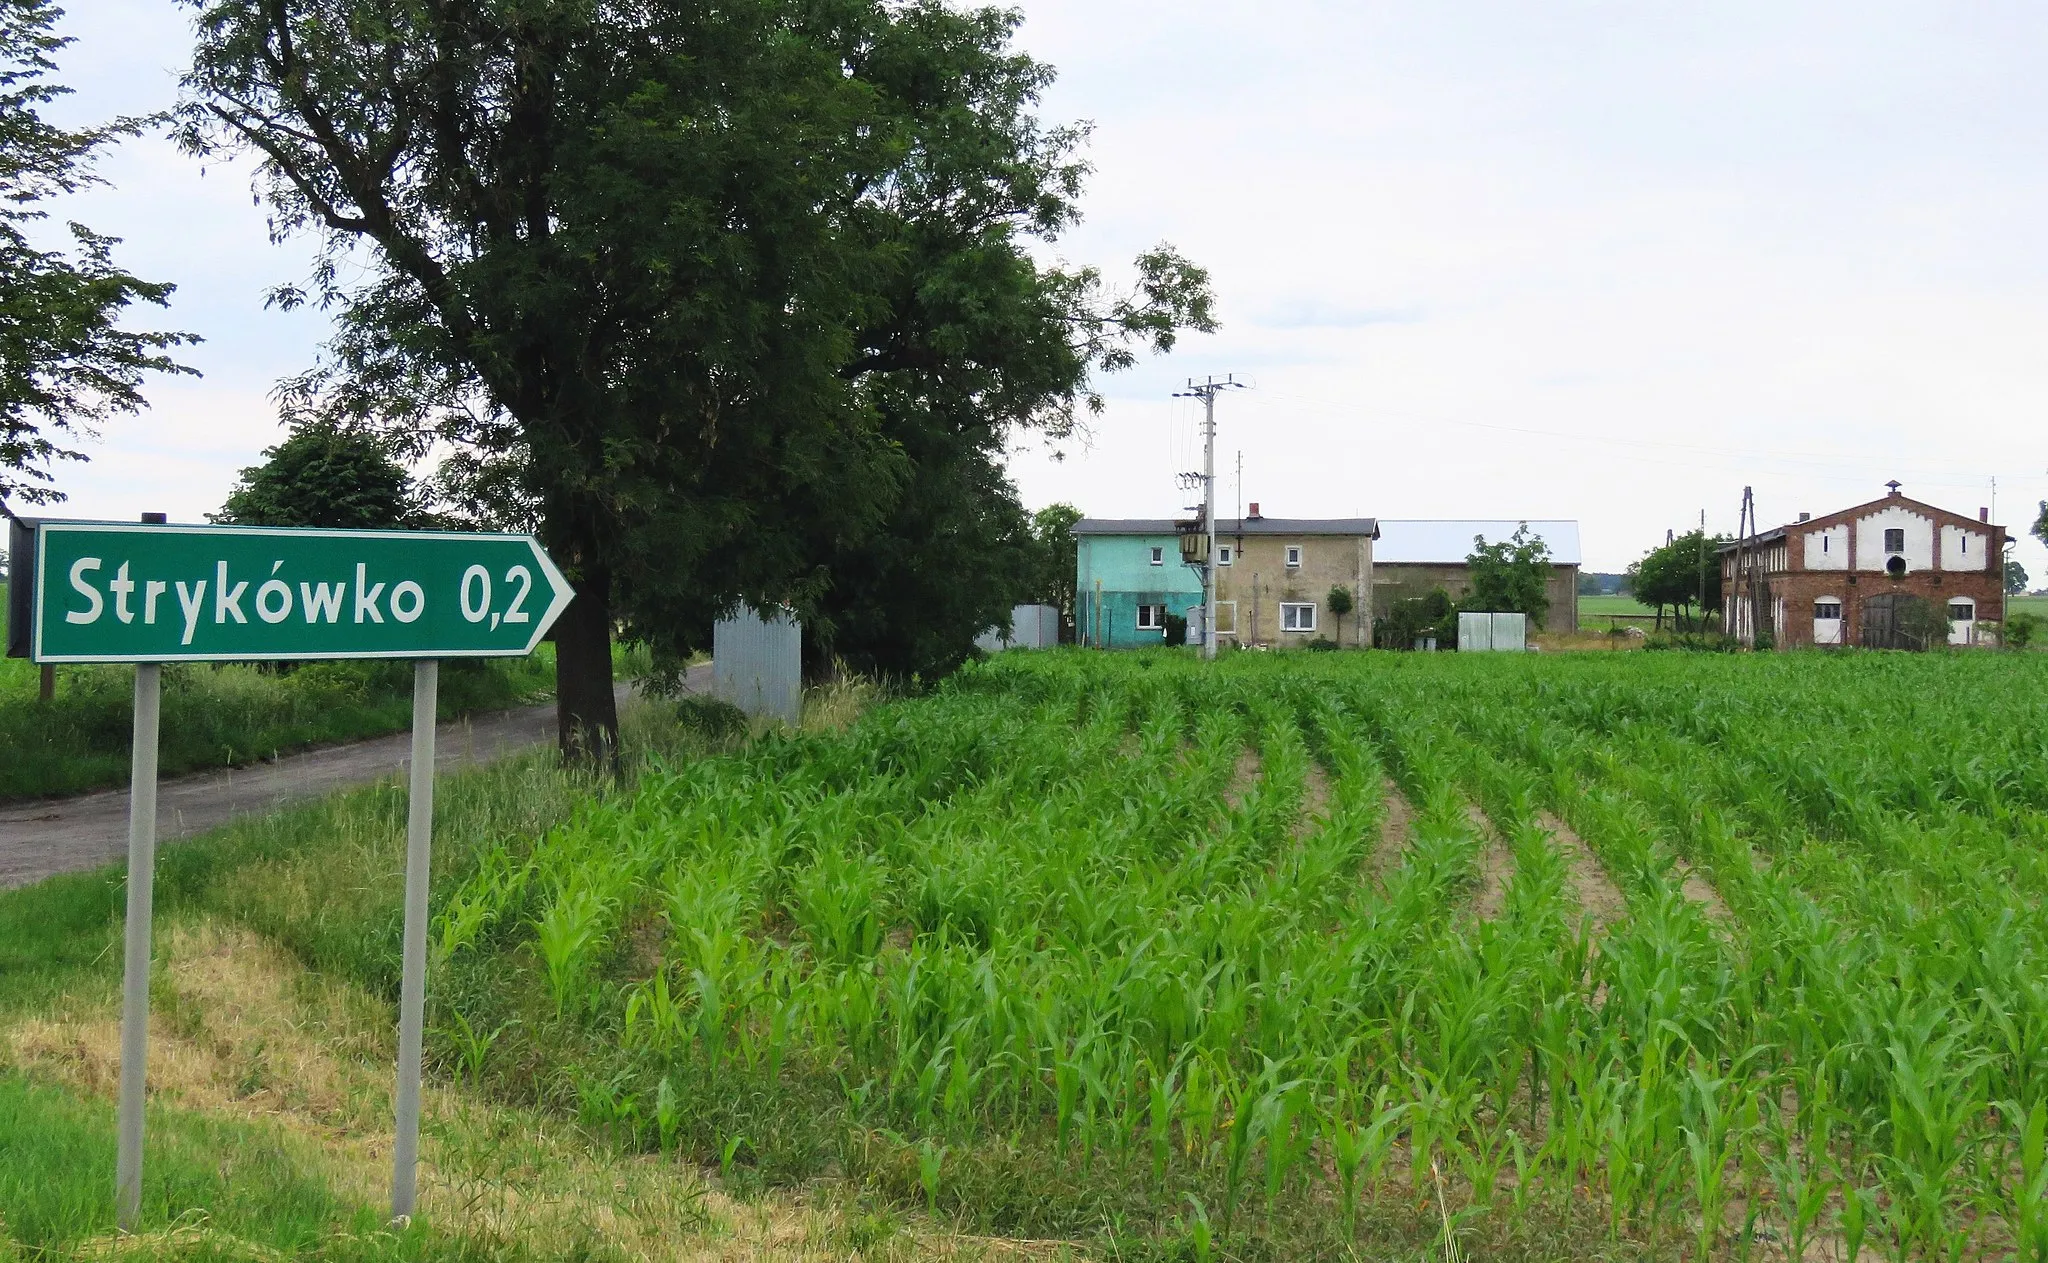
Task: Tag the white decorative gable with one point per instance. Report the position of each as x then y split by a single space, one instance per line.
1828 548
1916 539
1964 549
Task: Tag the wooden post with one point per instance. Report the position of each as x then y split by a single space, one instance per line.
48 690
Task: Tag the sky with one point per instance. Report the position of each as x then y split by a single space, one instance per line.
1599 261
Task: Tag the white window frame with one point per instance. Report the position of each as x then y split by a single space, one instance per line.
1293 608
1158 555
1156 611
1890 531
1833 627
1960 629
1225 554
1294 556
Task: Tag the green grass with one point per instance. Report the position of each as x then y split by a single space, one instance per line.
324 880
1594 606
233 714
57 1175
221 716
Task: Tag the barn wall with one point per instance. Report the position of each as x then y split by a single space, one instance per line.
1397 581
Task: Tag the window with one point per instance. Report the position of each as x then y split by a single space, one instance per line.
1152 617
1827 620
1297 617
1962 611
1158 556
1895 539
1224 555
1823 543
1294 554
1964 540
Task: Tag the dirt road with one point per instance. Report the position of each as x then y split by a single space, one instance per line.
62 835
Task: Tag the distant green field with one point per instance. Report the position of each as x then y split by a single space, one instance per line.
2035 605
1597 605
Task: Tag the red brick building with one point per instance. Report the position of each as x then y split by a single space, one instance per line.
1846 578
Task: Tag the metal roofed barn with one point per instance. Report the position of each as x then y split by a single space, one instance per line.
1415 555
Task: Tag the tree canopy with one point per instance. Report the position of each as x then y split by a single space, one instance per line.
1054 574
1672 574
733 303
66 365
1511 576
324 476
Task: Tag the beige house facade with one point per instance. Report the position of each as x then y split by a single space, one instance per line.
1274 577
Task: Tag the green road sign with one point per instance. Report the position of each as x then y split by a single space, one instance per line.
112 592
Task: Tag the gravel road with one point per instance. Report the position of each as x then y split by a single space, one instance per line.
43 836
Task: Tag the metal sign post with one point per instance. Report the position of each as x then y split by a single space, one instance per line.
135 944
412 998
150 594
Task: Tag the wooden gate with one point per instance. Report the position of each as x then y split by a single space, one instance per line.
1884 622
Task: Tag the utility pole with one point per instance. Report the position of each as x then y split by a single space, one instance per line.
1206 392
1703 570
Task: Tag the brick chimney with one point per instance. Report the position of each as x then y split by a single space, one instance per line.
1254 514
1983 514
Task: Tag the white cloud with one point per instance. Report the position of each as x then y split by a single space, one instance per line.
1580 259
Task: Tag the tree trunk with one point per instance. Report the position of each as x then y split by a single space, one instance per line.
585 707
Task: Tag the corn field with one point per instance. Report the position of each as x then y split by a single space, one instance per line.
1703 956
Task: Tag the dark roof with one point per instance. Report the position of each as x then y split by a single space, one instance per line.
1771 536
1368 527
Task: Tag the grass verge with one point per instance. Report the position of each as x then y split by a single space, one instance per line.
234 713
272 1045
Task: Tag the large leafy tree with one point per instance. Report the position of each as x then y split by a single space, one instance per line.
731 302
326 476
1673 574
66 365
1510 575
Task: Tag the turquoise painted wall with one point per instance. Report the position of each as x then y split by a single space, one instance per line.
1129 579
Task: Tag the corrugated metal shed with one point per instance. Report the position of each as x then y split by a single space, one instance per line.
1492 633
757 664
1031 627
1448 541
